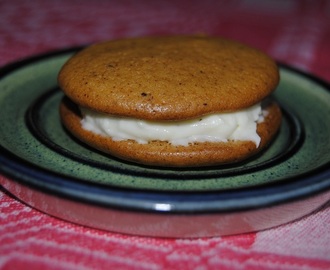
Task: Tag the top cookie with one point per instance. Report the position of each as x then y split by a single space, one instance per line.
168 78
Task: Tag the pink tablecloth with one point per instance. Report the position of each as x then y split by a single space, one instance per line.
293 32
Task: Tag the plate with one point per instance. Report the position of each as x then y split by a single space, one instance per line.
51 171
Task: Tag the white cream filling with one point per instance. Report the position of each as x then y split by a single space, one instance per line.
236 126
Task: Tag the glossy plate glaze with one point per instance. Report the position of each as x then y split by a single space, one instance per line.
51 171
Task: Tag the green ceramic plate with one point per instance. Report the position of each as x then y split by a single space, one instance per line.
36 149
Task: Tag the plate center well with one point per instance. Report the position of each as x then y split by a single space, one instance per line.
45 125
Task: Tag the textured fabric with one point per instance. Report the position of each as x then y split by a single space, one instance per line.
293 32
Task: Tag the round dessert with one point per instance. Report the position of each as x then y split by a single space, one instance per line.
171 101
